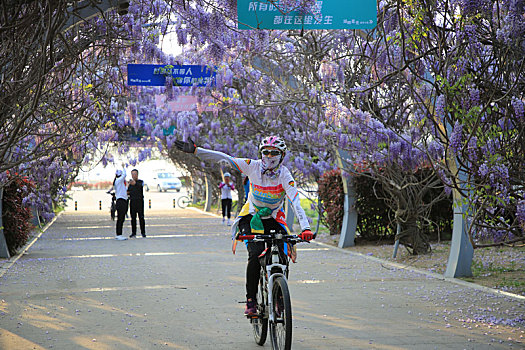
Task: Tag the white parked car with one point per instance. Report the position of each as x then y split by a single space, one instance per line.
164 181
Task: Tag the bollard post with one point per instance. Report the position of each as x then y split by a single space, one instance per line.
76 208
150 203
99 205
174 203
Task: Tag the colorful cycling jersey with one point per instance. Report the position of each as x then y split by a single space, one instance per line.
264 191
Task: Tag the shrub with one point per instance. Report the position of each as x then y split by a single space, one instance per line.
375 220
16 216
332 197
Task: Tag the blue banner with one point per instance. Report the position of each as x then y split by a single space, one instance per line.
326 14
183 75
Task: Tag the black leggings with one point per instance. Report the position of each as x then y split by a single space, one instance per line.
253 268
122 209
226 207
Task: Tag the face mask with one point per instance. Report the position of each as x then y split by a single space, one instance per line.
270 163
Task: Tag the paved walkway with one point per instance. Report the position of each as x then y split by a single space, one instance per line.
78 288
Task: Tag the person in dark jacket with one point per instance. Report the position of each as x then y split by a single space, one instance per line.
136 199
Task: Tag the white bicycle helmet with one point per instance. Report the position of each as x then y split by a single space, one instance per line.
227 175
272 141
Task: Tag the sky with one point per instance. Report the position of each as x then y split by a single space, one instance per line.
169 45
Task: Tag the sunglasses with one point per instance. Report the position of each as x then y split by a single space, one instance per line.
272 152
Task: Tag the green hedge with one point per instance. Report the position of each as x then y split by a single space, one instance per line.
332 198
375 219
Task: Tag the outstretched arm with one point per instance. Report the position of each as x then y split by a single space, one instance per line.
241 164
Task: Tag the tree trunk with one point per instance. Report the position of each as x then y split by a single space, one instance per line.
413 238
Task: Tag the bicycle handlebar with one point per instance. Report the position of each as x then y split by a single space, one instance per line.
269 237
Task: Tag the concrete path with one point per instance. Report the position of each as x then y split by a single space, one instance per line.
79 288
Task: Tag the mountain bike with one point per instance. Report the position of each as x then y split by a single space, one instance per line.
274 308
113 207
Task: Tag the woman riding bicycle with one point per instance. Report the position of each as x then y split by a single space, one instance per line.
270 184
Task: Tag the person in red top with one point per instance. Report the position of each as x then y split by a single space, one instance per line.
226 187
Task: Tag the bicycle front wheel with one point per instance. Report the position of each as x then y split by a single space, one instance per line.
281 326
183 202
260 324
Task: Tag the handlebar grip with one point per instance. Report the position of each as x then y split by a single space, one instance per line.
243 237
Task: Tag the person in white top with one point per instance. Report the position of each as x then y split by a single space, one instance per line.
119 184
270 184
226 197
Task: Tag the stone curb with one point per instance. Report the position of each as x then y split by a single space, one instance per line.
428 273
7 265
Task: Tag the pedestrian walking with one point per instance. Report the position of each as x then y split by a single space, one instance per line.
119 184
136 203
226 197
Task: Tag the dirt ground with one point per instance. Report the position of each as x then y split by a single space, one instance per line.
502 268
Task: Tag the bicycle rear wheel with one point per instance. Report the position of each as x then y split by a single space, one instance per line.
183 202
281 326
260 324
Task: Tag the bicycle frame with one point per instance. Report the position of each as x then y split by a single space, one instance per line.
269 277
274 271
